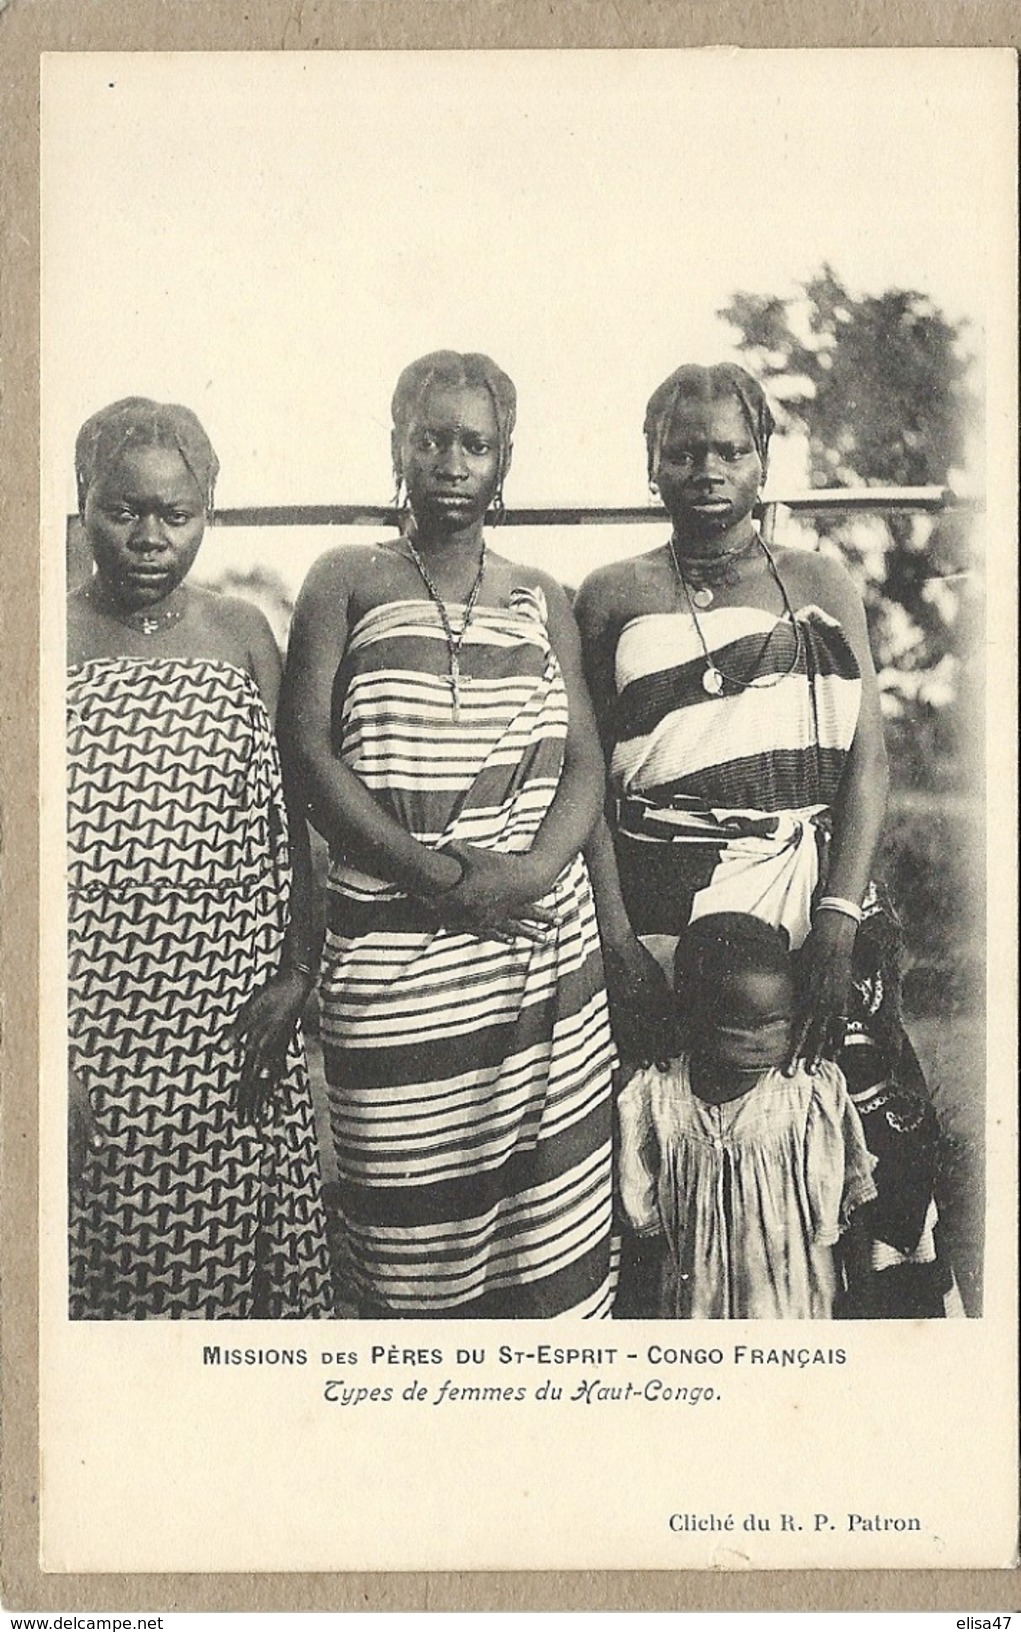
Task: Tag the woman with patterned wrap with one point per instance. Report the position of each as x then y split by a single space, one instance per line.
739 709
435 695
195 1183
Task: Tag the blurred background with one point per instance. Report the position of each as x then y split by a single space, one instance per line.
270 239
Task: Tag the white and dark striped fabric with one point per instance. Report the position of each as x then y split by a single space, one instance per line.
178 886
723 805
722 799
469 1079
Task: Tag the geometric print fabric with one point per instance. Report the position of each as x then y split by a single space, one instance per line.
178 890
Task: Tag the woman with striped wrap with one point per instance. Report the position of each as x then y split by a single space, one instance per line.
439 715
738 705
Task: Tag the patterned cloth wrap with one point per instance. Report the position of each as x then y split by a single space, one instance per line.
178 888
470 1080
724 804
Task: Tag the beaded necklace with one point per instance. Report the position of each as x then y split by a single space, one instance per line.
704 575
143 623
454 642
715 679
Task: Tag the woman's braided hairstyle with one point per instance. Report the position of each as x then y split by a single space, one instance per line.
469 370
706 385
138 422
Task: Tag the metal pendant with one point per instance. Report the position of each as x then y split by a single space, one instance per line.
712 681
702 597
456 680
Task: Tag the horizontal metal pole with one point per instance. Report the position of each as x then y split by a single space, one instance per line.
816 501
820 501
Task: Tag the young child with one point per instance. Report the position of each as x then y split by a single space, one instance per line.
749 1176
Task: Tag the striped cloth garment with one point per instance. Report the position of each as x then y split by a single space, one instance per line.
469 1079
720 797
723 805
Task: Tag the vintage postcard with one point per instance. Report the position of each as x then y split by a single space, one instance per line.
638 1192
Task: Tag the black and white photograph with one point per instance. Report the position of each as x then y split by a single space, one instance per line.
517 523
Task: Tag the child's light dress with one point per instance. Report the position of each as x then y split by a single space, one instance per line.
751 1196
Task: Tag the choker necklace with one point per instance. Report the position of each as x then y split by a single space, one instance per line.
715 679
700 577
143 623
454 642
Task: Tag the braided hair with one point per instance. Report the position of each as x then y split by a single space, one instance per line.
710 952
706 385
138 422
469 370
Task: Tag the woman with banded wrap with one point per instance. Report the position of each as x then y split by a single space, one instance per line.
436 701
739 710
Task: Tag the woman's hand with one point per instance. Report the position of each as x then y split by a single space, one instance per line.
641 1002
495 899
826 964
264 1028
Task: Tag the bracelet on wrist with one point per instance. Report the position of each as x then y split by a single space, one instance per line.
841 904
448 889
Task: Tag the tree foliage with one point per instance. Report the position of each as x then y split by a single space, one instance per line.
879 386
878 381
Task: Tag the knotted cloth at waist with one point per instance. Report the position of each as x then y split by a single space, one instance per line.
762 862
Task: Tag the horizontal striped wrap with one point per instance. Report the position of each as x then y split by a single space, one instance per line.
723 800
777 746
469 1079
723 804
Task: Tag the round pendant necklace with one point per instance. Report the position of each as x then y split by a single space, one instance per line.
715 679
454 642
702 577
147 623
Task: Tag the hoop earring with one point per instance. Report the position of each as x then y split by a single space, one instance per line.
499 508
654 488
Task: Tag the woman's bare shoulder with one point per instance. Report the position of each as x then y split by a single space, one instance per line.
232 616
818 577
345 567
616 592
234 628
534 578
357 576
226 609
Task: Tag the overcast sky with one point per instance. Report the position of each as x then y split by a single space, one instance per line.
270 238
